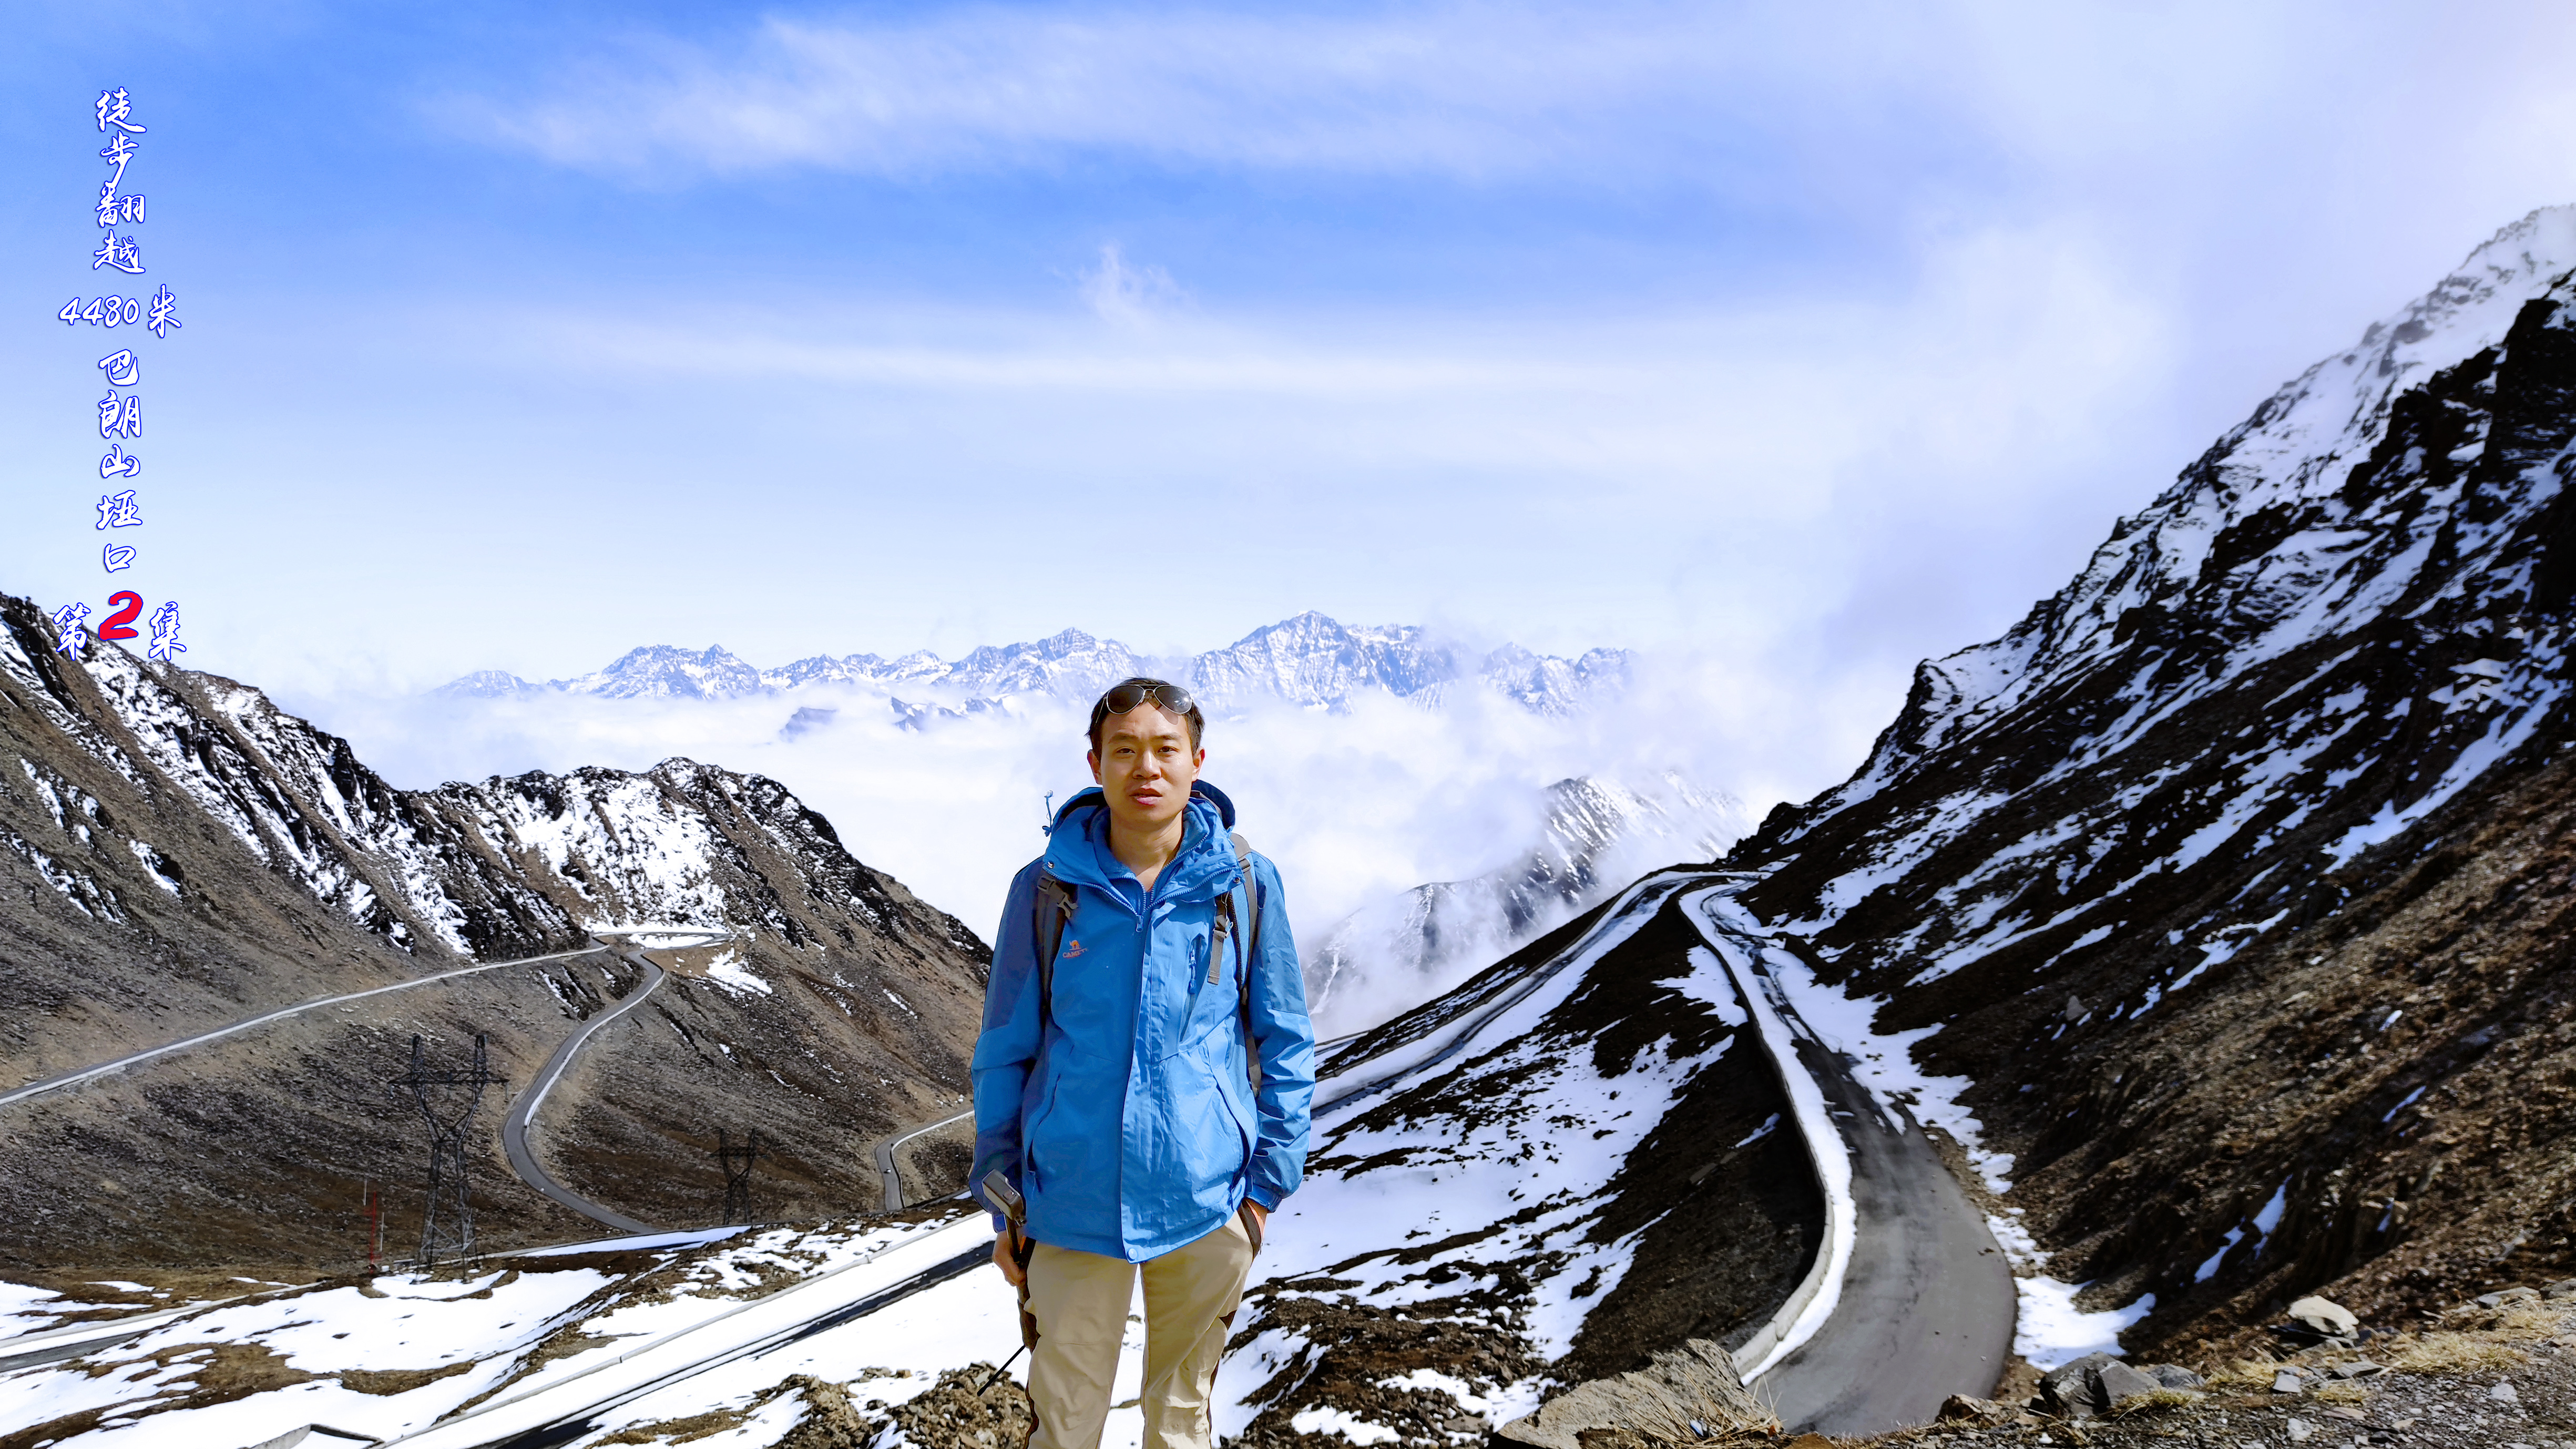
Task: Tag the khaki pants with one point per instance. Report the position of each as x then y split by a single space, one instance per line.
1081 1304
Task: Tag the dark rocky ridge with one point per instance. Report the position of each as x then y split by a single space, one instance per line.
2283 754
177 854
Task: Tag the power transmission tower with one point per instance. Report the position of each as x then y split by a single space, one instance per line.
447 1099
737 1163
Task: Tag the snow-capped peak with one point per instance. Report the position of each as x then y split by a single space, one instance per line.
1311 660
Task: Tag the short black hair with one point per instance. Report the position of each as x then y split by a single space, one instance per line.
1100 710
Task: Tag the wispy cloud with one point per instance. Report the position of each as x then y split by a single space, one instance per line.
1469 89
1131 295
1196 360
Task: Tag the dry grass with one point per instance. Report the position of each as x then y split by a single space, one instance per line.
2443 1351
2532 1320
2244 1373
2340 1391
680 1431
398 1381
2157 1402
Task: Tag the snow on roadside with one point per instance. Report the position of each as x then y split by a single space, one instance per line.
1820 1293
1467 1186
2048 1329
1376 1186
1324 1420
2052 1330
1882 1061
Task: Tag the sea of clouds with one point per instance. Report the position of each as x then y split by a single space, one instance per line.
1355 805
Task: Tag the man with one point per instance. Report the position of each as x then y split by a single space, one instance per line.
1112 1079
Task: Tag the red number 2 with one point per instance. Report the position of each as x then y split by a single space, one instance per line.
130 608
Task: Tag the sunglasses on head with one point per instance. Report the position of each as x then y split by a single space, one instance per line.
1127 696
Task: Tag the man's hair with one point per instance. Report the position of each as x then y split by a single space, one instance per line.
1100 710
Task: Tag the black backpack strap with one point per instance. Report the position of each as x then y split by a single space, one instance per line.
1052 905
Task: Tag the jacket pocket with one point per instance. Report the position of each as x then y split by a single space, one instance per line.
1232 1062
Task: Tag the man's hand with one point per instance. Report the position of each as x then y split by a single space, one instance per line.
1006 1258
1260 1214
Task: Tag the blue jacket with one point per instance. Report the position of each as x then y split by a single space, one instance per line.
1131 1129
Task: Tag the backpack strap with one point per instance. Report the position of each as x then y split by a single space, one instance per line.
1251 954
1052 906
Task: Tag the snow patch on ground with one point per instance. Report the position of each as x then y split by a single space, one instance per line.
1325 1420
2049 1329
728 972
2053 1331
498 1319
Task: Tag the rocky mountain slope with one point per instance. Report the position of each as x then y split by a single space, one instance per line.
2232 878
1414 946
1310 660
1569 1162
176 854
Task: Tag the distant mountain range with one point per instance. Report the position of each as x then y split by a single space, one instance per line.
1310 660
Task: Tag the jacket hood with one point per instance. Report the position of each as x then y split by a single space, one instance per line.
1078 845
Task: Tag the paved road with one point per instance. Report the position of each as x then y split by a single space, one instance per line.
1909 1299
69 1079
521 1119
886 1171
1926 1302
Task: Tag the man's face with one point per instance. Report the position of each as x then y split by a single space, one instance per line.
1145 766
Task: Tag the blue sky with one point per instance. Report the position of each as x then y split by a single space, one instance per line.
1810 340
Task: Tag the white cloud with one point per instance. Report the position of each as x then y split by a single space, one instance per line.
1354 805
1471 89
1128 294
1800 498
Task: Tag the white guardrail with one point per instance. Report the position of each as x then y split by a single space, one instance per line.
1814 1300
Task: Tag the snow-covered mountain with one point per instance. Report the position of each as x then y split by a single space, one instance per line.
1310 660
2097 865
177 853
1410 947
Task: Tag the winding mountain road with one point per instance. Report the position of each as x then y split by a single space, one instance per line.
889 1174
1911 1299
136 1059
520 1121
1908 1299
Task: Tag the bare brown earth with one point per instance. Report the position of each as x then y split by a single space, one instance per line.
176 855
935 1164
2406 1067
